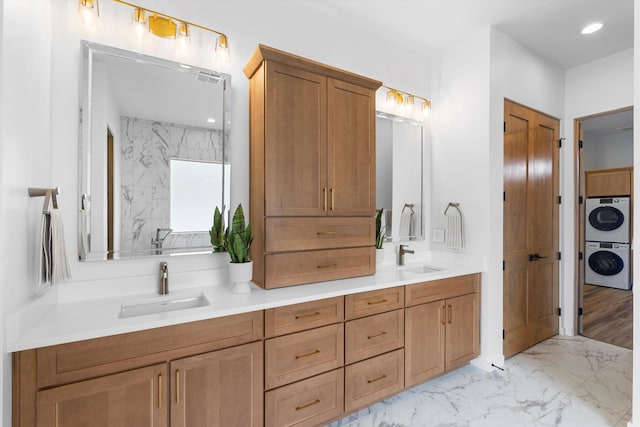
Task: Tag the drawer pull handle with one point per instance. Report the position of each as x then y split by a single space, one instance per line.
381 377
302 356
328 265
382 301
326 233
301 407
369 337
304 316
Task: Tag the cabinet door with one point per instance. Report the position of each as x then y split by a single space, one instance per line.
221 388
351 149
295 142
135 398
463 330
424 342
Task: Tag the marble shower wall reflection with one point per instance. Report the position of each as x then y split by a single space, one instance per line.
147 147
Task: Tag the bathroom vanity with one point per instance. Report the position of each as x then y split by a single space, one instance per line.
303 355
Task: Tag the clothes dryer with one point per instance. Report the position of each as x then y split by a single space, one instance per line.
607 264
607 219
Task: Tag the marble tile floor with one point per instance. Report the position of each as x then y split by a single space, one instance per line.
563 381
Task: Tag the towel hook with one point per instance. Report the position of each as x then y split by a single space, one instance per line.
48 193
454 205
410 206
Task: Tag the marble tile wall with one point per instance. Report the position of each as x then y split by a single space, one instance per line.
563 381
146 148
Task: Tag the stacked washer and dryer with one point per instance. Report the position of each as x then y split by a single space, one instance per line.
607 245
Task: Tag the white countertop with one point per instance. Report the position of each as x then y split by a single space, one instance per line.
80 320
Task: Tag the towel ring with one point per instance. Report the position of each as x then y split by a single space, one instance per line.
454 205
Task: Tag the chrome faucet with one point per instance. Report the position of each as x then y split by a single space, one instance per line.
163 289
401 252
159 240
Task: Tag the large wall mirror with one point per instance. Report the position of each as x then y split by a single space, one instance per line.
399 176
154 154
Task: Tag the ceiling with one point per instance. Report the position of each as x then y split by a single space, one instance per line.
549 27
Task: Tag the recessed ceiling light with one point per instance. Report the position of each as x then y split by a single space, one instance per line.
592 28
212 120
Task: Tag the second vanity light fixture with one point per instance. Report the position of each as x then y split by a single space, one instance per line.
407 100
166 26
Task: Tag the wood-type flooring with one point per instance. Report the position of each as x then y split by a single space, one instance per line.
608 315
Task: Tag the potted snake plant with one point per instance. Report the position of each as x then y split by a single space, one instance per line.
238 244
380 232
218 234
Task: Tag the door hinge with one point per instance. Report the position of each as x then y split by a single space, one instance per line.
559 256
504 265
559 199
81 116
580 144
580 255
559 311
504 196
579 311
580 200
504 126
504 334
560 142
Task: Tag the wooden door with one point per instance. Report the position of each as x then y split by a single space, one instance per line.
221 388
531 202
424 342
295 155
462 330
135 398
351 149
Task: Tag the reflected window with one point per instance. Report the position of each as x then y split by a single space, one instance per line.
195 192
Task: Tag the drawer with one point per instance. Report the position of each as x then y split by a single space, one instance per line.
296 234
299 317
294 357
76 361
374 302
373 335
310 402
373 379
296 268
435 290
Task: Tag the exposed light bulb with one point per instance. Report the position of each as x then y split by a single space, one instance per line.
184 36
222 48
140 22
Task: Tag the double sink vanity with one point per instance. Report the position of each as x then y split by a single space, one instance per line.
327 332
302 355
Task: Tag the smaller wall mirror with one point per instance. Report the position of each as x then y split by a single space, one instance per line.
399 176
154 154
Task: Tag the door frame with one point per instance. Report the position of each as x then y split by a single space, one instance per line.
578 234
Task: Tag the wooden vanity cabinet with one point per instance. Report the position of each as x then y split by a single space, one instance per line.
312 167
442 326
157 377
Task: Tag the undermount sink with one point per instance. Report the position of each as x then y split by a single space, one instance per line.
423 269
161 304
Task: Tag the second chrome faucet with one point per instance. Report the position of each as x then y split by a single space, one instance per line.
401 251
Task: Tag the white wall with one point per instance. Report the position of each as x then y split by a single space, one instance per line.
599 86
460 165
39 113
613 150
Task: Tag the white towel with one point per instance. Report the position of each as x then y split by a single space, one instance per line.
454 233
54 265
405 222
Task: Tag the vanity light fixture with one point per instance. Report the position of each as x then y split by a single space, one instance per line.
89 10
166 26
407 100
592 28
140 22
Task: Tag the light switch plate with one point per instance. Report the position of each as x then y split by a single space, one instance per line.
438 235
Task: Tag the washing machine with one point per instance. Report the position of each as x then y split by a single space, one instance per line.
607 219
607 264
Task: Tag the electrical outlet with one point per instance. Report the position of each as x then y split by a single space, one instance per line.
438 235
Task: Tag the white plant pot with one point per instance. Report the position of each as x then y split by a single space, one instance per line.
240 276
379 258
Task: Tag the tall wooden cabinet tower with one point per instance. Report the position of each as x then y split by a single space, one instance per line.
312 178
